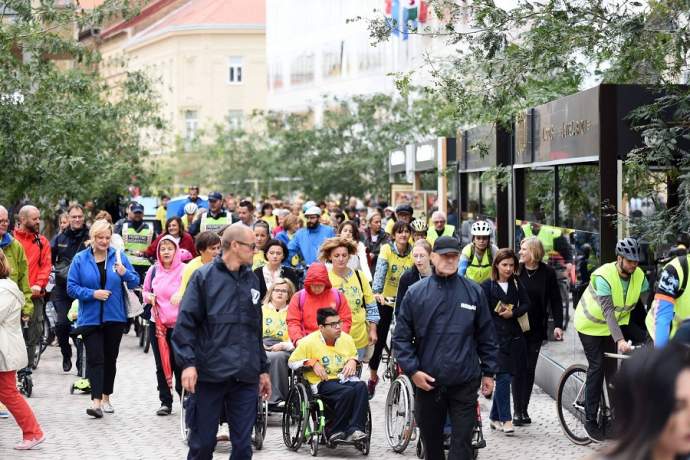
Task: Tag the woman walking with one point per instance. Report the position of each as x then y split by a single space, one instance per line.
96 279
13 357
275 253
508 300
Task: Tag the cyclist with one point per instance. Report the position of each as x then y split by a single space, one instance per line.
671 302
419 230
476 257
190 210
605 307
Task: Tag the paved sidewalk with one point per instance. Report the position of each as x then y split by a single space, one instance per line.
135 432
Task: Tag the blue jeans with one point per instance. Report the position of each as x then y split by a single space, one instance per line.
500 409
238 401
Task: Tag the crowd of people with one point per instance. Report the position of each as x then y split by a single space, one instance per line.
237 298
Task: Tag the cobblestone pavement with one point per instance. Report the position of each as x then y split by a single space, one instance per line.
135 432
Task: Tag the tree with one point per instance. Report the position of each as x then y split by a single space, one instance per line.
64 132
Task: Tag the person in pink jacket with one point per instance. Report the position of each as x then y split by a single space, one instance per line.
162 281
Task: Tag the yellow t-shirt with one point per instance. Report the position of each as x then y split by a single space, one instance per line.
333 359
259 260
271 221
191 267
357 300
275 323
396 267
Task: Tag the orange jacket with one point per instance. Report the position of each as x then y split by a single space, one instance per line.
37 249
302 321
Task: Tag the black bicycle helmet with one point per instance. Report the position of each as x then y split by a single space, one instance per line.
628 248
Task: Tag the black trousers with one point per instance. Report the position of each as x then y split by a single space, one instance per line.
598 367
164 393
62 303
431 410
349 402
102 347
238 401
523 380
382 328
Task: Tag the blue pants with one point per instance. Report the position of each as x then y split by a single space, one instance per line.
238 401
500 409
349 402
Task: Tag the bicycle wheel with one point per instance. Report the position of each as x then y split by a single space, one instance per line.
146 335
39 348
570 403
399 414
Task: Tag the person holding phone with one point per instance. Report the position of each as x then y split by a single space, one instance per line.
445 341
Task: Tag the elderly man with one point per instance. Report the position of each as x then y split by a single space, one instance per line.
439 227
218 343
37 250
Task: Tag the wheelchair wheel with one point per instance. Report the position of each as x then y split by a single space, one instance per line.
261 425
314 445
184 429
400 414
366 443
295 416
420 448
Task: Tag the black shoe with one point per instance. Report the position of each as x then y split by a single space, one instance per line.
593 431
96 413
518 420
66 364
164 410
525 418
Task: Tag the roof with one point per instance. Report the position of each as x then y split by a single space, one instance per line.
148 11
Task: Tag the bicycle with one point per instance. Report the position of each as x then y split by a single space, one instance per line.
47 334
570 402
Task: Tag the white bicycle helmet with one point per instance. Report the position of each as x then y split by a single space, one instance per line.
190 208
628 248
481 228
419 226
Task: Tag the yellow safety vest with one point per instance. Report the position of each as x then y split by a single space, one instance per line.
478 270
137 242
546 235
431 235
213 224
681 308
589 316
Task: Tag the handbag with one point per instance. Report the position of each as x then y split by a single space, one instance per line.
523 320
132 302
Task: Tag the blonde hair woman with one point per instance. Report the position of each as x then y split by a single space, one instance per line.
275 336
95 279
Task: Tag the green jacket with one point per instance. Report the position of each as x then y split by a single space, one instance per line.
19 269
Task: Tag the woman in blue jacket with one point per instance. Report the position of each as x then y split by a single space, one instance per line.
95 279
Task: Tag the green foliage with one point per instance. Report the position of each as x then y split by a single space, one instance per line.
64 133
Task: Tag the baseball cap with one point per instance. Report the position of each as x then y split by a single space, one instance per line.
136 207
313 211
446 245
404 208
215 196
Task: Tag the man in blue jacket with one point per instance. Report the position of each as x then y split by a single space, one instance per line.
443 332
307 241
218 343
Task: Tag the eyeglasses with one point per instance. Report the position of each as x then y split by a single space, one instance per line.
281 291
76 217
334 324
251 246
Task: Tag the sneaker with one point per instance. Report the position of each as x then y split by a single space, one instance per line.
508 428
96 413
335 437
371 387
280 405
593 431
66 364
164 410
28 444
496 425
107 408
223 433
358 435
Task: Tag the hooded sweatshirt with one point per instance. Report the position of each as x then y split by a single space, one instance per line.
19 269
12 349
302 319
165 284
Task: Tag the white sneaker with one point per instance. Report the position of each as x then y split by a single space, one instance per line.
223 432
508 428
496 425
107 408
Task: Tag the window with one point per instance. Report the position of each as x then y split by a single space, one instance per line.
191 122
302 69
235 118
235 70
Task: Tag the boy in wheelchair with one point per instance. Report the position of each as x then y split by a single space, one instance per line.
329 357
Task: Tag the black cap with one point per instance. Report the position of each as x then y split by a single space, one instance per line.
215 196
446 244
404 208
136 207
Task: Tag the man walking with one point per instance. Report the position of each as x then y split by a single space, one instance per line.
307 241
445 341
37 250
218 343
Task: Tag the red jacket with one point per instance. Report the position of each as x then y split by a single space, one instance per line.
302 321
186 242
37 249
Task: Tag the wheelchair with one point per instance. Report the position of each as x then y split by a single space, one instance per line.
258 431
305 418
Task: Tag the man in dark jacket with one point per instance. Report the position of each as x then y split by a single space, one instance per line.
63 249
443 331
218 343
